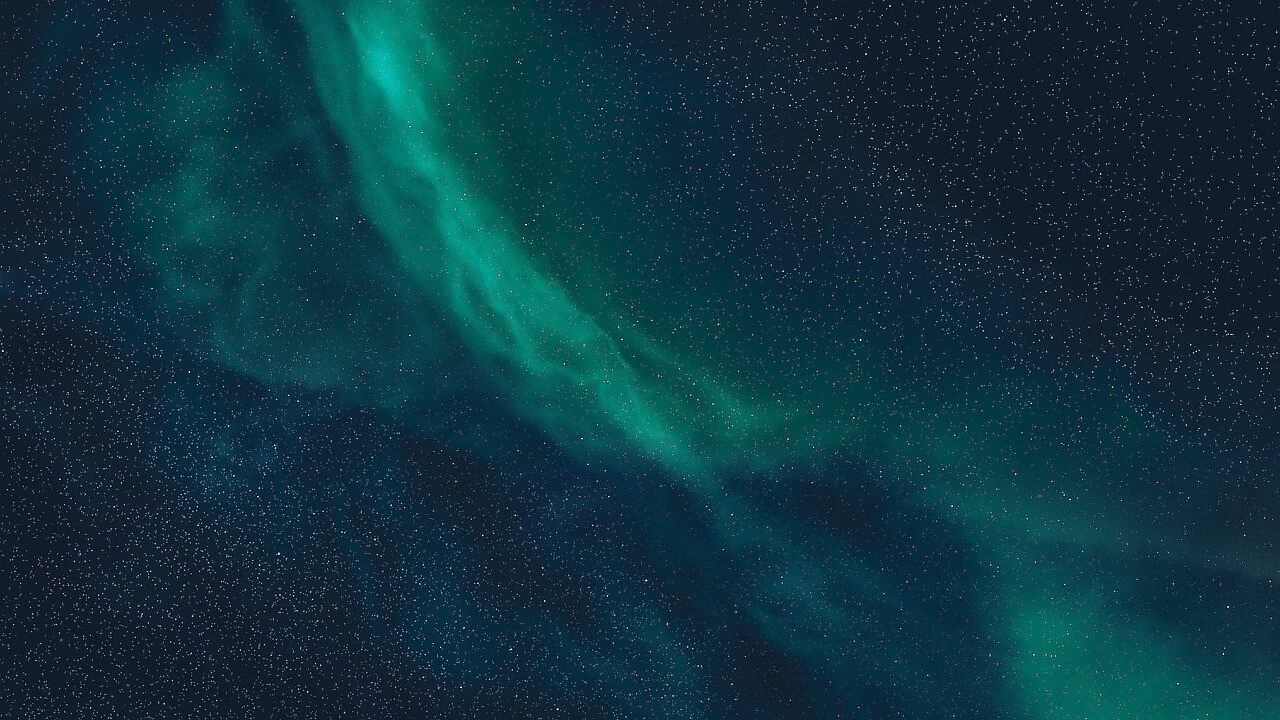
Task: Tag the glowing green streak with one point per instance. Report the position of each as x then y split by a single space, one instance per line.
446 264
296 291
384 82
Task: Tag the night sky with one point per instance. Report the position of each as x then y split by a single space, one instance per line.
657 359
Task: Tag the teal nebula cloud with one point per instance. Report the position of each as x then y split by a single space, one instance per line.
425 207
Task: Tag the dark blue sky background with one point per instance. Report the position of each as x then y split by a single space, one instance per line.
1095 184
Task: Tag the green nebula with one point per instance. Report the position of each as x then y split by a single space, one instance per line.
441 209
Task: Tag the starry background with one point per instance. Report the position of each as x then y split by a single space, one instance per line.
639 360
